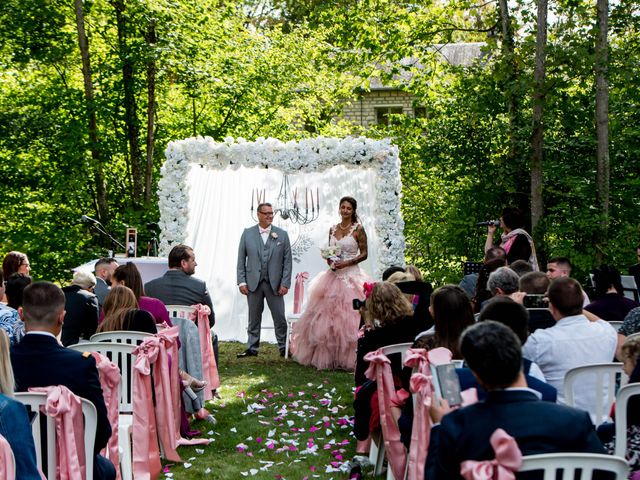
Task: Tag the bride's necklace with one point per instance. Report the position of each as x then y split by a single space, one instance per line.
344 229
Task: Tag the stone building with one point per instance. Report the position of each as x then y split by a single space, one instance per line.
374 106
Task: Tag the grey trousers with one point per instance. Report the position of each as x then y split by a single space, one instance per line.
256 307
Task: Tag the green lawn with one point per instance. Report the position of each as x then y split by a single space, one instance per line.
276 419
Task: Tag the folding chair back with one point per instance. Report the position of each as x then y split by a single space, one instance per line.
574 466
121 336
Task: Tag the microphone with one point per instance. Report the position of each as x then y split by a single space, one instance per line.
488 222
87 219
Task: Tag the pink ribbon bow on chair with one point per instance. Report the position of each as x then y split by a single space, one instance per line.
66 408
298 291
110 379
209 366
504 467
380 371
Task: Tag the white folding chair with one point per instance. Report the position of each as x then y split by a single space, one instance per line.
180 311
566 465
122 355
376 450
36 400
616 324
8 459
291 319
121 336
622 400
606 375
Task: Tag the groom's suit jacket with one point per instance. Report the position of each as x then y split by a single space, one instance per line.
250 253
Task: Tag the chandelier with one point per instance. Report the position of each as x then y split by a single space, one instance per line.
290 205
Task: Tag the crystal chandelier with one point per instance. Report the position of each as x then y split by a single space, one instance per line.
289 205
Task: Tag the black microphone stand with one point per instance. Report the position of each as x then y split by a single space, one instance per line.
100 228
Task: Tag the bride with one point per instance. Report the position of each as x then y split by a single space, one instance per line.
326 334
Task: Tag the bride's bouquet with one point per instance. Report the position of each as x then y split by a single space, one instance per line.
331 253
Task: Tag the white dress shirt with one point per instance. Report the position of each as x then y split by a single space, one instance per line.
572 342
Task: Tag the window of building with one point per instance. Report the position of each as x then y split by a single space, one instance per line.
383 113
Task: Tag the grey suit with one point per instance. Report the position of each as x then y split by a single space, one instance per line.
264 268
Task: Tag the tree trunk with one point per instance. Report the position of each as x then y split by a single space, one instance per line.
602 127
151 107
537 137
508 52
98 162
132 124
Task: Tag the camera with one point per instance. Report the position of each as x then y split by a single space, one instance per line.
535 301
358 304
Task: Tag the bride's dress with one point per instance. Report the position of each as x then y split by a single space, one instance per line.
327 332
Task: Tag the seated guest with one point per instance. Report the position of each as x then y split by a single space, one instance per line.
482 293
16 283
121 312
104 270
451 310
630 325
503 282
558 267
413 270
15 262
610 302
493 354
128 275
80 309
14 421
388 320
513 315
40 361
572 342
521 267
390 271
468 282
536 283
9 319
630 353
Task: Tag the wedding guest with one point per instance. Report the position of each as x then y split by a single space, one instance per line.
16 284
121 312
536 283
521 267
390 271
482 293
469 281
515 240
572 342
14 421
81 309
15 262
128 275
503 282
413 270
389 320
630 325
493 353
326 334
610 303
558 267
40 361
104 269
452 313
9 319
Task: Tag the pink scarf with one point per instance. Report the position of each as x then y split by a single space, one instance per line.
110 379
419 360
7 465
209 366
509 238
380 371
298 291
66 408
504 467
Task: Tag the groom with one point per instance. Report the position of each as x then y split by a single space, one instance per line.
264 272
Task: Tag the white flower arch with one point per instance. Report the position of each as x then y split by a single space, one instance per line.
309 155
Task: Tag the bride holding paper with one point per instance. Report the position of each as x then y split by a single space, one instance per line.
326 334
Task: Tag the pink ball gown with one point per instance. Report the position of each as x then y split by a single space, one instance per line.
326 334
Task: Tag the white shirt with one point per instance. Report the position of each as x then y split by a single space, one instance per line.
572 342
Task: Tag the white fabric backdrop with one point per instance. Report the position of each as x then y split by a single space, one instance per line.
219 210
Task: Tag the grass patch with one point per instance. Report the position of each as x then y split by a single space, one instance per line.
291 421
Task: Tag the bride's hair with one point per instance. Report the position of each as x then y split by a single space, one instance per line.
354 205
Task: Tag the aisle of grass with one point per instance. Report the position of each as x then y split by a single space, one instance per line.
288 420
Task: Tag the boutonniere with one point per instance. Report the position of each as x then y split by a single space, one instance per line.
274 235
